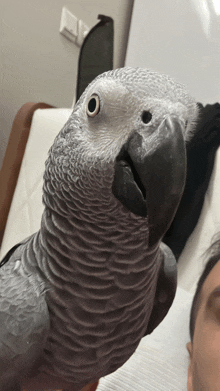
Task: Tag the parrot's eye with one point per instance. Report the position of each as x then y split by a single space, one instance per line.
93 106
146 117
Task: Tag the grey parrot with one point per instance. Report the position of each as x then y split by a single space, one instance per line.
77 296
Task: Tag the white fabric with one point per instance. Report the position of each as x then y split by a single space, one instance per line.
161 360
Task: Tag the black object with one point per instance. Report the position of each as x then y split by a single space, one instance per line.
201 151
166 288
96 55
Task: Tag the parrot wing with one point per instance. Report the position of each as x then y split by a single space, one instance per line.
166 287
24 318
8 255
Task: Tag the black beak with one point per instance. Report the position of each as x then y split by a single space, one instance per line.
150 173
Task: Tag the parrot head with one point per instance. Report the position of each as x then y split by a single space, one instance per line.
130 124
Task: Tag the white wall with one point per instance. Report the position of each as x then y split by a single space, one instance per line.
36 62
179 38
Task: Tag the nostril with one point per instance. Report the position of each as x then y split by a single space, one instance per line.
146 117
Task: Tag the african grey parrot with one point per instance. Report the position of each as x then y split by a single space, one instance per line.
77 296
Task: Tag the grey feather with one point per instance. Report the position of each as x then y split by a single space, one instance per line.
77 296
24 318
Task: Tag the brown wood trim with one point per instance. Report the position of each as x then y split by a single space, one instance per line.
13 157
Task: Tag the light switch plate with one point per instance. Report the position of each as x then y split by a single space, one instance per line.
68 25
72 28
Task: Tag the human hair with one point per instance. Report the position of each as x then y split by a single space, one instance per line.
213 255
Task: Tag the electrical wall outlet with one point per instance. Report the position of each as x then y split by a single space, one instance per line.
72 28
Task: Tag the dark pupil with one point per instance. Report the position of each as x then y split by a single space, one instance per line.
146 117
92 105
